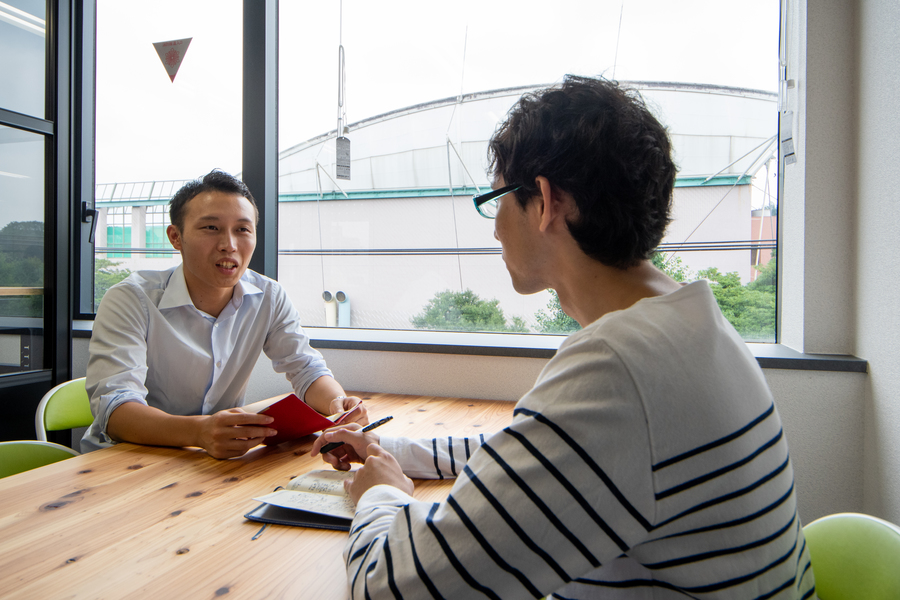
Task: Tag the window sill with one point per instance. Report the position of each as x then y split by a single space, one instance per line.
769 356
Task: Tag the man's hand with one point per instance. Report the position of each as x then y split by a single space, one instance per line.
353 450
230 433
380 468
359 415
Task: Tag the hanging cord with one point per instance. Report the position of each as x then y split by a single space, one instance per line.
342 80
618 35
462 78
459 100
342 77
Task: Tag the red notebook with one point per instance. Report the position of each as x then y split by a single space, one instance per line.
294 418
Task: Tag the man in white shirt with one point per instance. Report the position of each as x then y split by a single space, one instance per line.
648 460
171 351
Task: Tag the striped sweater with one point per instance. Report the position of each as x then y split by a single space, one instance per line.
648 461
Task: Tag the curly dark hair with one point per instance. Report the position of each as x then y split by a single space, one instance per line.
215 180
599 143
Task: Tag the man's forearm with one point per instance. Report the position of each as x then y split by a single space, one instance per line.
322 391
141 424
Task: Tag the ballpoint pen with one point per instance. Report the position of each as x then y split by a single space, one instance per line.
334 445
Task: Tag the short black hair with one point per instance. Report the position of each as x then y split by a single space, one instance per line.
215 180
598 142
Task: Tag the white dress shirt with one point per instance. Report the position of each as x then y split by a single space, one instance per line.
150 344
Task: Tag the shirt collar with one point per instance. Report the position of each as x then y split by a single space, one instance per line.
176 293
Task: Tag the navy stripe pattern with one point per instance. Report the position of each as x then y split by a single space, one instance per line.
605 485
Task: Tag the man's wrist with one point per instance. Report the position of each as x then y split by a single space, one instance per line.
328 411
340 400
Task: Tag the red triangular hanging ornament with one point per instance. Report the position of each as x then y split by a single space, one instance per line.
171 54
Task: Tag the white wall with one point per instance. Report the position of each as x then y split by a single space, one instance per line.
877 326
840 222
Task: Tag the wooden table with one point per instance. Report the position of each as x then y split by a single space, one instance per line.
146 522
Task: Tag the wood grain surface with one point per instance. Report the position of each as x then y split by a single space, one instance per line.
147 522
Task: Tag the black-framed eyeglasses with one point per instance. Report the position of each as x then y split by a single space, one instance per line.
486 204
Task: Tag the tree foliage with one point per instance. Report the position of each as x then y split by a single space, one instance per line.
672 266
106 275
465 311
22 265
750 308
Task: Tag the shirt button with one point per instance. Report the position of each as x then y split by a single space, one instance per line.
219 364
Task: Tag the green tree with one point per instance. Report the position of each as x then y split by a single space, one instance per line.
672 266
106 275
465 311
22 265
750 308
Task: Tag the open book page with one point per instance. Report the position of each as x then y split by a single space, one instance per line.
322 481
320 492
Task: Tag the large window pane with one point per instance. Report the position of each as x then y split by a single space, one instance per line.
423 92
23 56
21 250
154 132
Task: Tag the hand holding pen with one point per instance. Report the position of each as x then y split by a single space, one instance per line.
354 442
335 445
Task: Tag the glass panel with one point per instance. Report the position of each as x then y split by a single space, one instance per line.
423 93
118 230
157 219
154 131
23 56
21 250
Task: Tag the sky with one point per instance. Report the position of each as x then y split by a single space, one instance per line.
397 53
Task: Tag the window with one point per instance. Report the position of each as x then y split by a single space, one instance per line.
118 230
156 222
23 43
398 244
23 146
21 250
157 129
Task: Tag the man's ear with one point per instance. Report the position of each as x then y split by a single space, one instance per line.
551 203
174 237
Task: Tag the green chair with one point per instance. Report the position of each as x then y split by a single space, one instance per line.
20 456
854 557
64 407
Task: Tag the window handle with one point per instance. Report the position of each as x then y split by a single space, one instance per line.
89 215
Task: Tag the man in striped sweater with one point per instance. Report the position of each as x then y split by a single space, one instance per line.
648 460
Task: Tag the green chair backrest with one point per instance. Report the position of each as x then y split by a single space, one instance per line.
64 407
20 456
854 557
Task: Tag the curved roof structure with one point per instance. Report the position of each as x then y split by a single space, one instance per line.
715 130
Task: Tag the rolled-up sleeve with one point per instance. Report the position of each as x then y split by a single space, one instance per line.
287 346
117 368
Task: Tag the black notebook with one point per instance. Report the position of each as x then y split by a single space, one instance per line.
314 499
278 515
